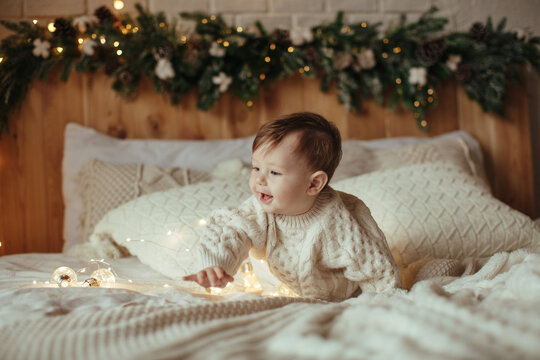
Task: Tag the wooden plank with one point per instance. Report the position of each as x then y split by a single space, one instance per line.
57 112
12 230
30 166
443 118
506 147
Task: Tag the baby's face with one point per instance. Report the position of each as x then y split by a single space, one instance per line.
280 178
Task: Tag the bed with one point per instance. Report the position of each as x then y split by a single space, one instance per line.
132 207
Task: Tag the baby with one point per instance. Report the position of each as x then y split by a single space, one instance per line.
319 242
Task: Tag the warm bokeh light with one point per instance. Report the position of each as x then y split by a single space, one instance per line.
118 4
51 27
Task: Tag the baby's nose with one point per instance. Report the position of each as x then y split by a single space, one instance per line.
261 179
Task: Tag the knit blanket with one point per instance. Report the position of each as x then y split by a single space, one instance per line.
493 313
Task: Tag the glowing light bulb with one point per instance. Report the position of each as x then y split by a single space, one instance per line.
34 21
64 276
104 277
51 27
118 4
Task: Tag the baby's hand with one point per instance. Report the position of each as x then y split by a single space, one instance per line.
213 276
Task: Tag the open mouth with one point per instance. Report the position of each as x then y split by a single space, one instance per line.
265 198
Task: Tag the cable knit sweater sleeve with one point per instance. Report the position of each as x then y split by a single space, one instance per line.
229 234
359 247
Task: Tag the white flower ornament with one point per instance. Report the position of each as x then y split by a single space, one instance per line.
41 48
418 76
216 50
164 69
88 46
223 81
300 35
453 61
82 22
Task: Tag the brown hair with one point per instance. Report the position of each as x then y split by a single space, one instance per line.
320 141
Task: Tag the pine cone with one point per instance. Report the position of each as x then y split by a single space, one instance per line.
282 37
64 28
431 51
463 72
111 64
126 77
103 14
479 32
311 55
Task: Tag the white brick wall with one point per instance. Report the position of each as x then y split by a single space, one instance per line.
287 13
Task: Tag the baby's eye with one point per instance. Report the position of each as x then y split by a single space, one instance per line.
254 168
274 173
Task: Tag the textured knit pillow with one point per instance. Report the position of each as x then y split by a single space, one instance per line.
358 159
160 228
104 186
437 209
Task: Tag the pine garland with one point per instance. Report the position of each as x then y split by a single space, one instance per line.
406 61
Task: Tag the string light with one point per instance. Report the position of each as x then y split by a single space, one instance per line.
290 49
430 91
267 59
80 40
423 123
249 103
306 68
204 21
225 43
59 49
64 276
239 29
272 46
384 55
51 27
135 29
385 40
416 103
102 39
251 283
34 21
118 52
118 4
363 24
430 99
116 43
397 50
398 81
212 17
1 59
262 76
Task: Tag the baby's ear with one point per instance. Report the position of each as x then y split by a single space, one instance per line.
318 181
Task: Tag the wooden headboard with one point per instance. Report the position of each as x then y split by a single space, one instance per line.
31 205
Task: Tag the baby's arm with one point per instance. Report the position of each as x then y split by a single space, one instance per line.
225 241
213 276
361 249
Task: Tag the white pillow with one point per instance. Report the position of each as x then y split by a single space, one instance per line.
160 228
437 209
83 144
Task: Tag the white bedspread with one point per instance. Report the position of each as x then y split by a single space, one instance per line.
493 314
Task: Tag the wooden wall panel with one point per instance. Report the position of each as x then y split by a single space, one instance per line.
31 154
506 145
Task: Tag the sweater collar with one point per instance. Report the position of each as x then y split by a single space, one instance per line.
312 214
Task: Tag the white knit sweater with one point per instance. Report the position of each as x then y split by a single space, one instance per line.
332 252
